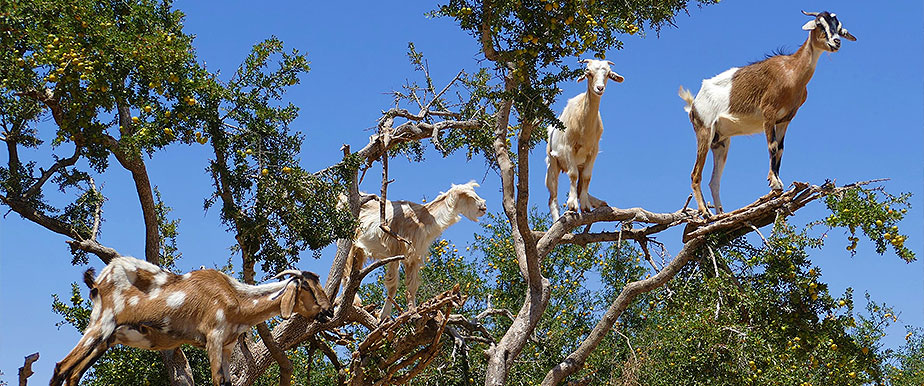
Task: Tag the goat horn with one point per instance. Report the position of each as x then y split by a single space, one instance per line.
293 272
610 62
812 14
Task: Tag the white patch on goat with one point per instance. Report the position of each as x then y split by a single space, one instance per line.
217 335
108 323
187 276
87 336
118 301
160 279
131 337
166 326
220 315
255 301
94 315
133 301
176 299
713 97
154 293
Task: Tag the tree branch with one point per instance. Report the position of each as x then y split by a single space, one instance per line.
26 370
285 365
58 165
728 226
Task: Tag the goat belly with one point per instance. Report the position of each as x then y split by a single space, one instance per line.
729 125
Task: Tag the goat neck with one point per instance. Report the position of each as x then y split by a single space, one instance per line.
443 215
259 302
591 110
805 59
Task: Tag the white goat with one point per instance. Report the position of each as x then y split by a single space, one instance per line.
574 150
762 96
138 304
420 224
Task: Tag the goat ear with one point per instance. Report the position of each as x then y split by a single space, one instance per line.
582 77
289 297
615 77
810 25
846 35
472 184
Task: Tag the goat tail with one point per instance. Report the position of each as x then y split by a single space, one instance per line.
687 96
88 278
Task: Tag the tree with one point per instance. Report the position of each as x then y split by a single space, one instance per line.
98 65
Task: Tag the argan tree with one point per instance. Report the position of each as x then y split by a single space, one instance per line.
121 79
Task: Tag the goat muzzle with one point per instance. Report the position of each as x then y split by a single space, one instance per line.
325 315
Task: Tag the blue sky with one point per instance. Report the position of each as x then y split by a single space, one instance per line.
863 120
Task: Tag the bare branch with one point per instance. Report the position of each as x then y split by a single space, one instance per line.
46 174
26 370
285 365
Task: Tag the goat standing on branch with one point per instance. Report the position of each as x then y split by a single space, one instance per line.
138 304
574 149
419 225
762 96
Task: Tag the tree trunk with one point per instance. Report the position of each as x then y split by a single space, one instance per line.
178 371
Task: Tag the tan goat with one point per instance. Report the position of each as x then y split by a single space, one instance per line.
761 97
138 304
417 223
574 149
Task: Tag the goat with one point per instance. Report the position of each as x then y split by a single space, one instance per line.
762 96
420 224
138 304
574 150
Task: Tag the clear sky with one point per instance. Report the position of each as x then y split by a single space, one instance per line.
863 120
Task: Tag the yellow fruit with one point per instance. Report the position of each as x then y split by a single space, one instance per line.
191 101
147 109
887 236
286 169
264 172
167 113
248 151
52 78
879 222
841 303
136 120
202 140
168 131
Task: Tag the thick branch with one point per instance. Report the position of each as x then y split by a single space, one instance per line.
285 365
571 220
26 370
133 162
727 226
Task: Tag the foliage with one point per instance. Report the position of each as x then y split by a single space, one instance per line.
276 208
876 216
761 314
115 78
910 360
537 43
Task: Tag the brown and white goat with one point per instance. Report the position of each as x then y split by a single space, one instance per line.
138 304
762 96
420 224
574 149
